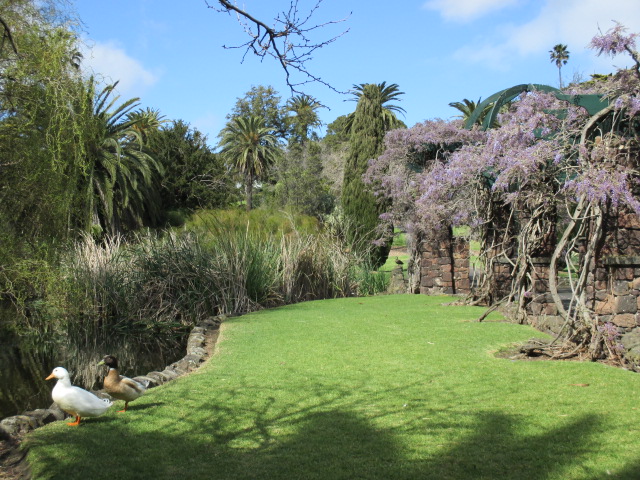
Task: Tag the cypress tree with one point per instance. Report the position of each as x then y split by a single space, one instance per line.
367 127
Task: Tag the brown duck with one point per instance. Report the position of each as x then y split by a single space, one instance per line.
122 388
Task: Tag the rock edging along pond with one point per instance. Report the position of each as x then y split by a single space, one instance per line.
200 343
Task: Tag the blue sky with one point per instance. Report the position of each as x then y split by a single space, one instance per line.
171 55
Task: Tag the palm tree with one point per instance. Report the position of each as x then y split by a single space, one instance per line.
304 108
146 122
122 176
559 55
250 147
378 94
468 107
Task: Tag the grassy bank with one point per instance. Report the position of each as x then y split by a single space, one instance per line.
388 387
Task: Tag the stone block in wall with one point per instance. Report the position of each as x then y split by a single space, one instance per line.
606 306
550 309
540 286
626 320
631 343
634 240
626 304
623 274
534 308
601 285
628 220
635 283
463 284
601 295
620 287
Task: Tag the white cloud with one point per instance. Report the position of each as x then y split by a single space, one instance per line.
466 10
111 62
573 22
570 22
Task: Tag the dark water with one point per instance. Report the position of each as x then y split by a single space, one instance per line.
25 363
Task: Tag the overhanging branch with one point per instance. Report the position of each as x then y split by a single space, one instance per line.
287 41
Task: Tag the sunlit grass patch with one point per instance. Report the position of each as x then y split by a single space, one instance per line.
386 387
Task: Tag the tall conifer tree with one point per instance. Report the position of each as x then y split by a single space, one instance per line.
367 126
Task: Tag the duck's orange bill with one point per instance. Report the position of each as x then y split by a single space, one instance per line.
50 377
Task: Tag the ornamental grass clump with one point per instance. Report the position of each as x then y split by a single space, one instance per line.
166 283
245 264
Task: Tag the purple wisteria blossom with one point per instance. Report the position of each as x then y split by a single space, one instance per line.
614 41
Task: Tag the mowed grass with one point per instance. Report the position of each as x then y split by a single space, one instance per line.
386 387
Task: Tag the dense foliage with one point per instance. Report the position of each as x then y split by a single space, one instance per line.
195 177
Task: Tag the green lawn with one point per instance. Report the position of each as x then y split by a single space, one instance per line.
390 264
386 387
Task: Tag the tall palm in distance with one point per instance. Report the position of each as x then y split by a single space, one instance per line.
146 122
305 116
559 55
248 145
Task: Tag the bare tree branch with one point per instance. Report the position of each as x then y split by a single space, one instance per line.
287 41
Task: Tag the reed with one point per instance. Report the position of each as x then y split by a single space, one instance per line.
162 284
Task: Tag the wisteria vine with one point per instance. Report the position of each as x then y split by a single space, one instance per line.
542 183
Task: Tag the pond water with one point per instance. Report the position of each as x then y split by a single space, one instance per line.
24 363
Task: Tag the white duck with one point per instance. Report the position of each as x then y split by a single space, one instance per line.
74 400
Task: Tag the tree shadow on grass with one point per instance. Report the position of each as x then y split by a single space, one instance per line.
332 444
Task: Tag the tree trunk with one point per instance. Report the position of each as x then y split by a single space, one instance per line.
248 190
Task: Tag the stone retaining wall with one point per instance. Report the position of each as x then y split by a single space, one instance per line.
444 267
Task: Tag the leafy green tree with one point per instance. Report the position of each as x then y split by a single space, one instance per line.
559 55
367 126
262 102
41 159
195 177
334 150
250 148
300 184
